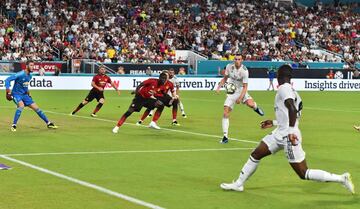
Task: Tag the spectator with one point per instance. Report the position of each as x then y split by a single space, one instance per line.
148 71
330 75
57 71
121 70
41 71
182 71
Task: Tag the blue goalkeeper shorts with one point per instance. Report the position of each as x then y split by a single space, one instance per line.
22 97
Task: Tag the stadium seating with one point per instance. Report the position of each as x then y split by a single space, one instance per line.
150 31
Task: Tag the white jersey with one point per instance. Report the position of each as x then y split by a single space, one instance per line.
237 76
175 81
285 92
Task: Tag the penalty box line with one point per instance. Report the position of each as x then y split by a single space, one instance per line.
166 129
84 183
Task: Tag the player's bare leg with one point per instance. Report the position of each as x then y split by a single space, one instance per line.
81 105
42 115
252 104
225 124
145 115
305 173
98 107
122 120
249 168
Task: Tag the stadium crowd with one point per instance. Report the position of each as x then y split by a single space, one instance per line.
150 31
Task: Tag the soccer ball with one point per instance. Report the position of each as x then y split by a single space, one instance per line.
230 88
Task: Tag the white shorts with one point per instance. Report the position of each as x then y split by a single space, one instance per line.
230 100
294 154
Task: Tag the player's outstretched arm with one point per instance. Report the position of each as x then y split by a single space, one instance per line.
116 89
221 83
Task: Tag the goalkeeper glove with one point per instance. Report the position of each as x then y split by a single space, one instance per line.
8 95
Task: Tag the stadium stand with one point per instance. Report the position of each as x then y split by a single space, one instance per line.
150 31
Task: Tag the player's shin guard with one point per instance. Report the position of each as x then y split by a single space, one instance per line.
248 169
17 114
158 114
42 115
98 107
81 105
225 126
123 118
323 176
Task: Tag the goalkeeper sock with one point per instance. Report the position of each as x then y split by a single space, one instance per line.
42 115
98 107
17 114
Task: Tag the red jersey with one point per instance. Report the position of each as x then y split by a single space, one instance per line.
101 80
151 87
164 89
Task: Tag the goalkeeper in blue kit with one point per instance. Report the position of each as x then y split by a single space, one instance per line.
20 95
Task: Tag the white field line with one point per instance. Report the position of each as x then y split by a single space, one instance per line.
84 183
166 129
127 152
305 108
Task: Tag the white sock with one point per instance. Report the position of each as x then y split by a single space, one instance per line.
248 169
255 106
225 126
151 112
182 108
323 176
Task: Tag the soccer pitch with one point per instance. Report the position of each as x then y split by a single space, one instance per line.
84 165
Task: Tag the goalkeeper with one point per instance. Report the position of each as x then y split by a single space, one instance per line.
21 96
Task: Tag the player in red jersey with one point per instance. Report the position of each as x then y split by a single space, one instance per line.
98 83
169 98
145 97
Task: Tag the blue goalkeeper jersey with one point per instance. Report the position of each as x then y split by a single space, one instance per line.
21 82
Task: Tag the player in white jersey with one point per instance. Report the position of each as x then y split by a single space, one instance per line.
287 137
237 74
176 83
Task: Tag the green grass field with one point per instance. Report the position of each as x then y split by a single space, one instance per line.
176 167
